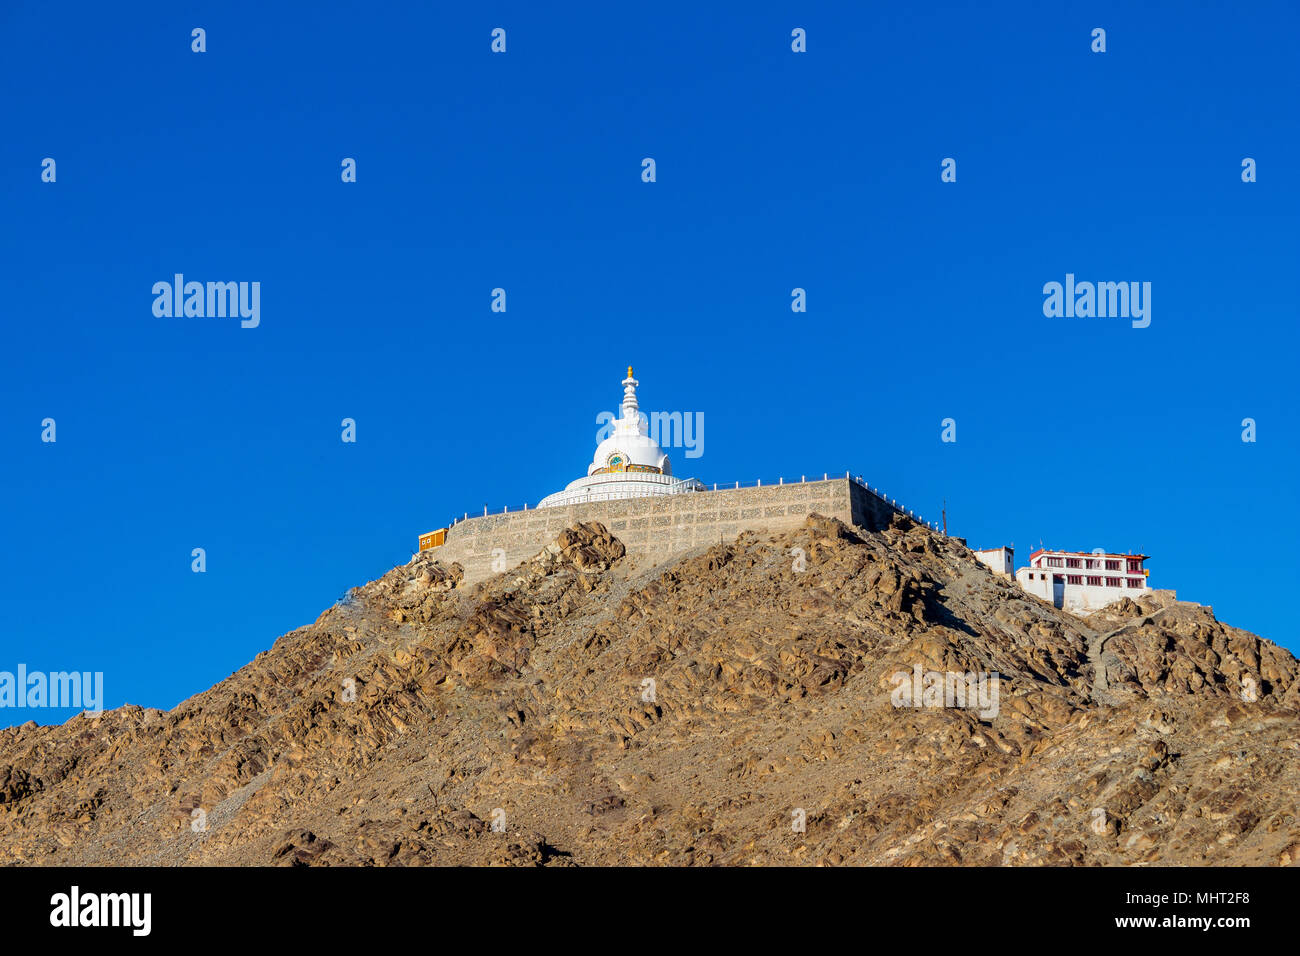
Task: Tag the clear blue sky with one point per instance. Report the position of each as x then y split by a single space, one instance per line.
775 170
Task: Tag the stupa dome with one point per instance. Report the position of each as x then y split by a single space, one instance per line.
630 447
627 464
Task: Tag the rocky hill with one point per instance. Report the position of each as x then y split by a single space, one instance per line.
581 709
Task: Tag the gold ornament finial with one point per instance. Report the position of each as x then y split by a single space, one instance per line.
629 371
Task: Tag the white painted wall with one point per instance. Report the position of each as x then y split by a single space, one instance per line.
1001 560
1076 598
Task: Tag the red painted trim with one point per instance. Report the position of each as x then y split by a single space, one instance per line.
1085 554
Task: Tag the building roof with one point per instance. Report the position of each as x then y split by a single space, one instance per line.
1005 547
1086 554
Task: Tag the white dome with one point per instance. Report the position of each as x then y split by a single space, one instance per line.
627 448
630 448
627 464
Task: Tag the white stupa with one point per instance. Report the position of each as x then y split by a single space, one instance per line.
627 464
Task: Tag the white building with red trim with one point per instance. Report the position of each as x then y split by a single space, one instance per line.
1083 581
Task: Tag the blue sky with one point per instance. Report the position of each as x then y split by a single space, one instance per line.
522 170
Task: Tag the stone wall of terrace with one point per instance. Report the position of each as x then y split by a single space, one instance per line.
657 527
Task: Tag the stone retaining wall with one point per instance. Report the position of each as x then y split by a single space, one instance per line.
658 527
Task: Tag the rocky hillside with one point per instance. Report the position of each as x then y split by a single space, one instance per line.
580 709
